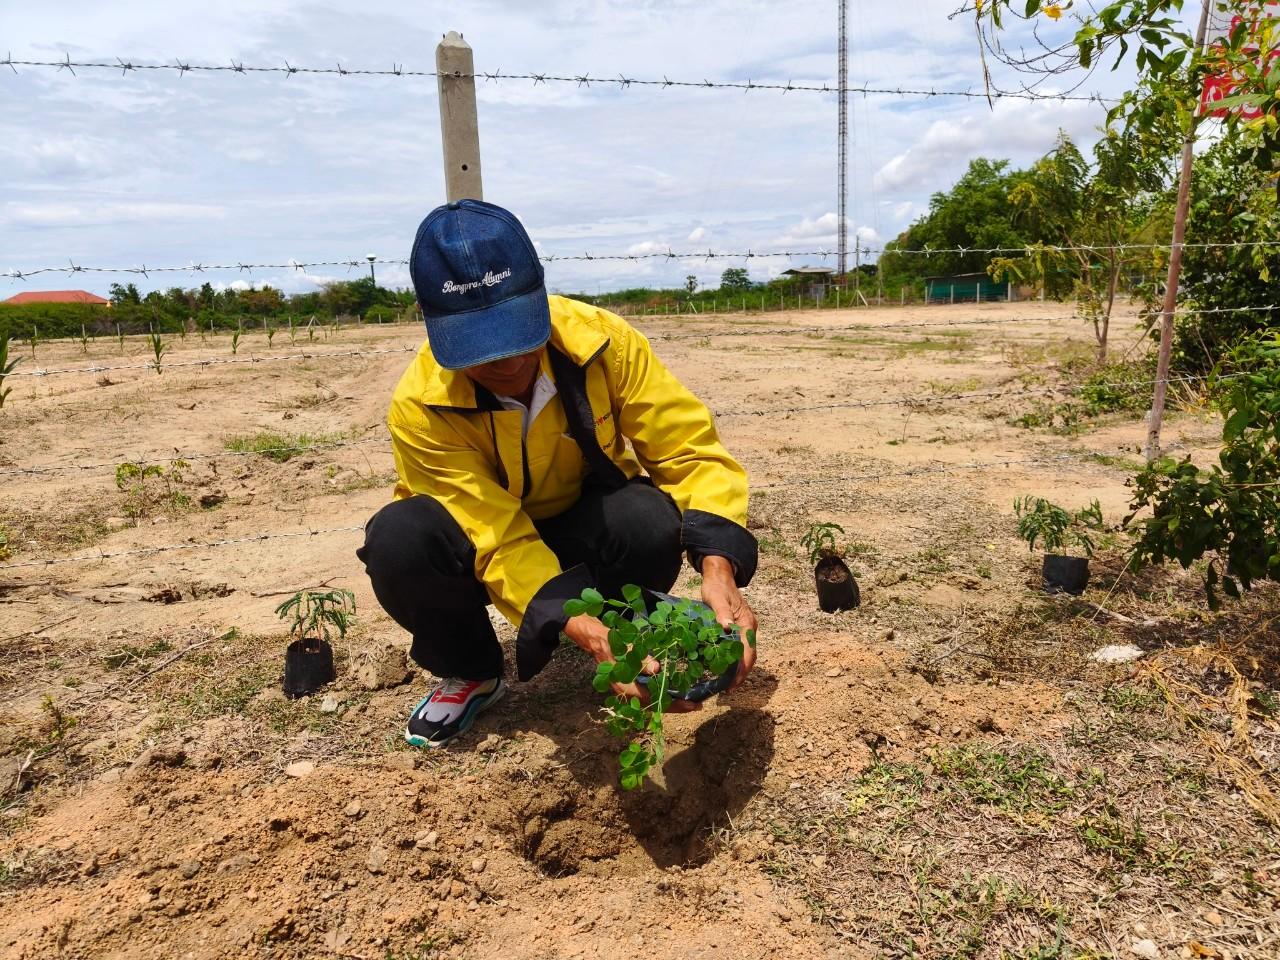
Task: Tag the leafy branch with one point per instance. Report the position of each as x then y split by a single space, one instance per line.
685 643
1229 511
820 541
319 615
1054 527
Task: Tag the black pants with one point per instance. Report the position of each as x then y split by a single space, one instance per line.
422 567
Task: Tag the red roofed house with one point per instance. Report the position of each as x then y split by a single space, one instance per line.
58 296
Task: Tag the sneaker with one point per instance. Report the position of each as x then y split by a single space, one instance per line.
449 710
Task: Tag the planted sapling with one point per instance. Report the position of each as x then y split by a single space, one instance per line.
6 367
235 341
317 617
690 656
1054 527
1058 529
158 349
833 580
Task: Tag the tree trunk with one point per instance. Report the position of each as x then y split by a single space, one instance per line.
1112 282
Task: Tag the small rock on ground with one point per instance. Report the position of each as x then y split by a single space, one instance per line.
1146 949
329 704
300 768
1116 653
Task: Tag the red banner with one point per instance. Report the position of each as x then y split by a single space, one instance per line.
1226 83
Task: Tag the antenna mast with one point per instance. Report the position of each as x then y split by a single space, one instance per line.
843 135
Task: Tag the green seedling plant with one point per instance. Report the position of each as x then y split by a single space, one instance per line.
235 341
84 340
271 334
132 480
681 642
6 367
319 616
1056 528
158 349
820 541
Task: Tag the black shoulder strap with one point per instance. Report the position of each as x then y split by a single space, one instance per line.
571 386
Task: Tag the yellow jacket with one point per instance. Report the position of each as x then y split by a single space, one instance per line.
454 442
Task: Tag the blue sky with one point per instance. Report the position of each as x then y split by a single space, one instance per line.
115 170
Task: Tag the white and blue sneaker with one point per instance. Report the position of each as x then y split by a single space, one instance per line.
449 710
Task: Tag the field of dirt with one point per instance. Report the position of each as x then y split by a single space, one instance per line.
943 772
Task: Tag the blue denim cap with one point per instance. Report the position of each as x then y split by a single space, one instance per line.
480 285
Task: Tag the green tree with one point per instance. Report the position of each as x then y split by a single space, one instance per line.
974 213
691 283
124 294
1101 212
735 279
1232 201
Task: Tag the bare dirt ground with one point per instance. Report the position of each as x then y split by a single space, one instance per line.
941 773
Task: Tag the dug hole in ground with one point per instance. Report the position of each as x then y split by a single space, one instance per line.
942 772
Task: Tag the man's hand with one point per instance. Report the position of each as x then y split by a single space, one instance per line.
593 636
721 594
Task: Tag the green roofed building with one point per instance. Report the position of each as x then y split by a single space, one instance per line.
968 288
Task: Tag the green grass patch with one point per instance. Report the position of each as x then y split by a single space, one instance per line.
279 446
1019 781
1121 839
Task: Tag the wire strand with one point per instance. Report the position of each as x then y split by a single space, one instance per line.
209 362
258 538
582 81
704 255
147 551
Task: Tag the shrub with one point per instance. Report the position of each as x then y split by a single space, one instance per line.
1231 510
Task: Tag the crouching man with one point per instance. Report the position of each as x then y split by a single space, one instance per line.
515 483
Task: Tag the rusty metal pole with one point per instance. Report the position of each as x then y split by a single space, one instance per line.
1175 268
459 122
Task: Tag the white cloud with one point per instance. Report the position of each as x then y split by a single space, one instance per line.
698 234
45 214
1013 129
645 247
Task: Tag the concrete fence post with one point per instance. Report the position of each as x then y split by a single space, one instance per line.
459 122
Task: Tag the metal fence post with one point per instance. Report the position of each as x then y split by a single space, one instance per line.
459 124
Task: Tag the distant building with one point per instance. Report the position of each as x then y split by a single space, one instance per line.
967 288
820 278
58 296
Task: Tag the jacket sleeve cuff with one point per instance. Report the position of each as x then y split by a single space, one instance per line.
709 535
544 618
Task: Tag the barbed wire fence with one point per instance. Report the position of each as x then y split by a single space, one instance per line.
914 401
180 68
202 364
310 533
195 268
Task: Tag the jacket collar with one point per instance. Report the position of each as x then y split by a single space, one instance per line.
454 390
